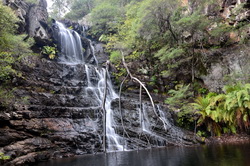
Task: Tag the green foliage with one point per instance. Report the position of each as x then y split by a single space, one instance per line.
79 8
115 57
161 31
104 18
13 48
227 112
192 23
168 54
59 8
207 115
6 61
4 157
50 51
7 20
6 97
153 80
239 9
185 117
119 73
178 95
221 30
154 30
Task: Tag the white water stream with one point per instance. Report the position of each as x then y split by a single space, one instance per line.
71 54
70 44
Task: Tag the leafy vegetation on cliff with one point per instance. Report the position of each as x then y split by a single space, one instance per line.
13 47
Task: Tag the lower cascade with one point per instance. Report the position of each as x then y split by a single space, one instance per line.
70 55
96 89
149 132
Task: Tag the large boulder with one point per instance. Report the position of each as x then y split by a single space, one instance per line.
33 19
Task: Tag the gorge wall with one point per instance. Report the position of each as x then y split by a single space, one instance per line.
230 64
55 115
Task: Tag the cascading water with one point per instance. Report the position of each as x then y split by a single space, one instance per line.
92 52
147 126
70 45
71 54
97 91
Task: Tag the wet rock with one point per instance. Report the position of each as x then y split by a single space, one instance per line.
143 128
229 139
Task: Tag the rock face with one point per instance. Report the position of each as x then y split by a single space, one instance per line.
33 19
59 119
57 115
231 65
62 118
144 129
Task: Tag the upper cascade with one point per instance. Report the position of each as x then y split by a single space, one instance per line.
69 44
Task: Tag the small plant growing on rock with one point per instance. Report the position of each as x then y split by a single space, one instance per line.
3 157
50 51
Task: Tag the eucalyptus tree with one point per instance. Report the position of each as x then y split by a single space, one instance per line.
59 8
80 8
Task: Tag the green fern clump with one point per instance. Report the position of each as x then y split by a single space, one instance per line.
178 95
227 112
237 105
50 51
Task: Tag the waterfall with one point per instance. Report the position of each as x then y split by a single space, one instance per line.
147 125
92 52
70 45
96 90
150 128
71 54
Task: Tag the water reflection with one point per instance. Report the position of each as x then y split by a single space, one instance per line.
229 155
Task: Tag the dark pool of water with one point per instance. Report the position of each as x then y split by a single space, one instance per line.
226 155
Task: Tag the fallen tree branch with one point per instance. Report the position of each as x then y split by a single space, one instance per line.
120 107
104 109
141 84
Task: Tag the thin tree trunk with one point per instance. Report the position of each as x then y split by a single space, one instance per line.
104 110
120 109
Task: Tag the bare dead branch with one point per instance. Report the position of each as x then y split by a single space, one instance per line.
141 84
104 109
120 107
